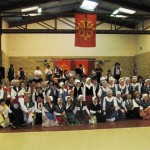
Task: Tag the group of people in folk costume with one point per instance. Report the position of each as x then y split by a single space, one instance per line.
72 100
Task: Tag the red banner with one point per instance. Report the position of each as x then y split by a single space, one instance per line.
64 64
85 34
84 64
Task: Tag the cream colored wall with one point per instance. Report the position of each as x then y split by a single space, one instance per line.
143 41
63 44
4 38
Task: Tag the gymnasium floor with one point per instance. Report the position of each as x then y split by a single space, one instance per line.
123 135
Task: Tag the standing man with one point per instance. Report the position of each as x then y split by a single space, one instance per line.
117 71
80 71
48 73
98 71
11 73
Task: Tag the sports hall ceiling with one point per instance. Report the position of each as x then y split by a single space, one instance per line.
52 9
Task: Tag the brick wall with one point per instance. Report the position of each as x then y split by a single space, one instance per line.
143 64
30 63
5 62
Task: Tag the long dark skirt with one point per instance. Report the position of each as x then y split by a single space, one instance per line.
38 119
82 117
72 119
111 115
88 100
121 115
16 118
133 114
100 117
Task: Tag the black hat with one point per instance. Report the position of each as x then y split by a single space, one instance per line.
41 96
117 63
94 78
2 100
55 84
84 76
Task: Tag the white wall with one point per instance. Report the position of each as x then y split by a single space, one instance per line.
4 38
63 45
143 41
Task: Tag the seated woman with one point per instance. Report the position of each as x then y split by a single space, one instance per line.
81 111
96 110
69 111
49 119
137 98
145 104
38 109
16 117
4 114
110 107
71 94
60 113
131 108
7 92
121 109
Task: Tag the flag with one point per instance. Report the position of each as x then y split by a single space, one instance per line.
84 63
85 31
64 64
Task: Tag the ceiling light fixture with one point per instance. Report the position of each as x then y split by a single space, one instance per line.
30 9
127 11
89 5
122 10
118 16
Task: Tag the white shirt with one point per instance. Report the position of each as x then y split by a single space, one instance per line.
23 107
119 101
37 74
134 104
1 93
109 99
5 111
104 89
48 71
118 71
84 108
137 84
14 93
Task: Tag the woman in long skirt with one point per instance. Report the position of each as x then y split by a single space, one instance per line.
121 108
49 119
145 104
81 111
110 107
69 111
96 110
60 113
4 114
